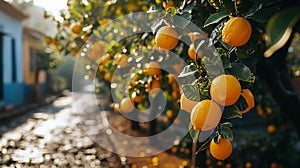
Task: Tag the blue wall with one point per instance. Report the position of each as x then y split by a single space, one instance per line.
14 93
13 88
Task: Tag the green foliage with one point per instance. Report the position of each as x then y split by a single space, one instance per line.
267 17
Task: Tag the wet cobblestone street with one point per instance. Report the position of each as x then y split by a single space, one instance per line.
50 136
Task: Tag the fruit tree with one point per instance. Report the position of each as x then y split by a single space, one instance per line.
242 58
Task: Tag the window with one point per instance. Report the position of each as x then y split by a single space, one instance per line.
13 61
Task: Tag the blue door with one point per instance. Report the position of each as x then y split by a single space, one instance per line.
1 67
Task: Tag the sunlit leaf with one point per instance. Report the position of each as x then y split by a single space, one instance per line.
215 18
279 28
204 146
193 133
226 133
192 92
241 71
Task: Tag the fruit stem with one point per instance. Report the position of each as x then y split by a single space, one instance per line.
194 150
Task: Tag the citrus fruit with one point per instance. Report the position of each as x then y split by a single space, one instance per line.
271 129
171 78
104 58
169 4
236 31
195 36
153 68
225 90
154 86
206 115
99 47
221 150
76 29
126 105
166 38
187 104
192 52
122 60
249 98
248 165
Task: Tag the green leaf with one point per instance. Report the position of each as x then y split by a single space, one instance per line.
227 124
240 71
263 15
156 25
279 28
215 18
204 146
192 92
75 13
193 133
187 75
172 10
182 21
242 6
230 112
226 133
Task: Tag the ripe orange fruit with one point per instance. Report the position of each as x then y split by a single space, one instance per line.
170 114
195 36
76 29
166 38
153 68
225 90
48 40
107 76
171 78
269 110
126 105
154 86
187 104
99 47
192 52
249 98
169 4
236 31
221 150
206 115
228 165
274 165
122 60
104 59
271 129
260 110
248 165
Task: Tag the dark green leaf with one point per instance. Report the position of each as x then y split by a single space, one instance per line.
193 133
227 124
192 92
187 75
204 146
230 112
226 133
215 18
242 6
240 71
260 5
182 21
263 15
279 28
157 25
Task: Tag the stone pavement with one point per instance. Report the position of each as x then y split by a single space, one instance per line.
74 131
51 136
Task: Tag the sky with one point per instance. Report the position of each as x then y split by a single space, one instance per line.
53 6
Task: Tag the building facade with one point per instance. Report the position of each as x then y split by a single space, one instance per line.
18 46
